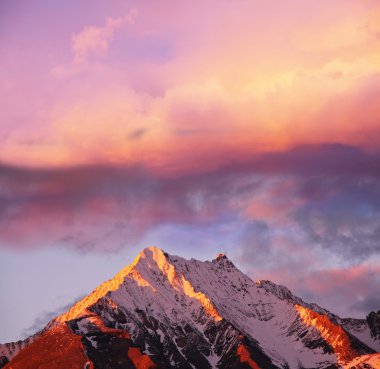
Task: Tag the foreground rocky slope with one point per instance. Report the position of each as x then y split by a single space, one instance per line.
163 311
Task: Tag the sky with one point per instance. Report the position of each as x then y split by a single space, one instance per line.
249 127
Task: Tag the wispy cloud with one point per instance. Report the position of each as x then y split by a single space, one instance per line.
46 316
137 134
94 41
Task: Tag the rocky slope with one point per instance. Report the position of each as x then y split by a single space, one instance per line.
163 311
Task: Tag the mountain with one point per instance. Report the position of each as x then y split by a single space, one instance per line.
163 311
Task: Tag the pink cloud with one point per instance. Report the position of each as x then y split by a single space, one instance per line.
346 280
223 87
349 290
346 291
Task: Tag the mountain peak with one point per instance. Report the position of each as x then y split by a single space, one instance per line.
154 254
147 256
222 260
152 250
163 311
221 256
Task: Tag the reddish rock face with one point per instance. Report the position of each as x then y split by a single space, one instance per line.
58 348
245 357
139 360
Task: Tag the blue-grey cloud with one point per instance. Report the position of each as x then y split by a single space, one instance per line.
330 192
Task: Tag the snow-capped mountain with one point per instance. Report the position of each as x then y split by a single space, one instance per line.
163 311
